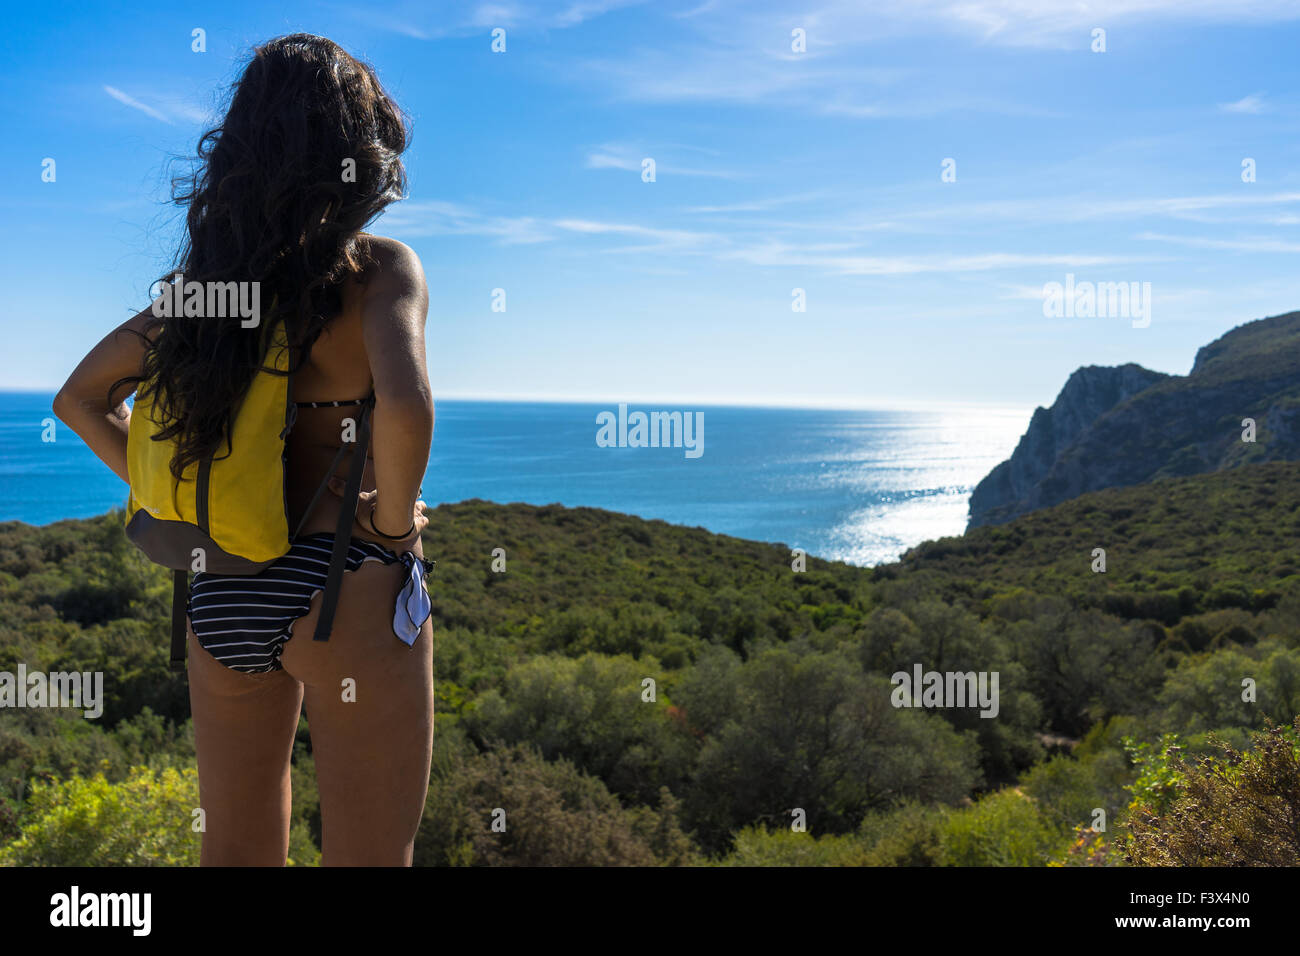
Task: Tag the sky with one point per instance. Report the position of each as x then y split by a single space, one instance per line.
920 170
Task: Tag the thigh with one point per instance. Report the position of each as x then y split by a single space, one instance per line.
369 701
244 727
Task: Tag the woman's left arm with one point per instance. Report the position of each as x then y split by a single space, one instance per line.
84 404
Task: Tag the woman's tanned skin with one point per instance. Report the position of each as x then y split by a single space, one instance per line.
372 753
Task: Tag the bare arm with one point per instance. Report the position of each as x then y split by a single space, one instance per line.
83 402
394 308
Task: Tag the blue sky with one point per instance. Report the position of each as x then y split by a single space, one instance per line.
775 170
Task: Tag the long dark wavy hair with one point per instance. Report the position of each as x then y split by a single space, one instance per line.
271 199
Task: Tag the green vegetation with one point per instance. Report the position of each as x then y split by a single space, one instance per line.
1232 809
770 702
141 821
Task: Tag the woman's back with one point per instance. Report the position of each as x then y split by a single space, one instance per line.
269 208
335 376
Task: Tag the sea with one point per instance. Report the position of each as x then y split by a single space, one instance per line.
854 486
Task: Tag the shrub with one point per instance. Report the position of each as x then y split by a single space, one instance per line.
1002 829
554 815
589 711
1234 809
146 820
758 846
908 835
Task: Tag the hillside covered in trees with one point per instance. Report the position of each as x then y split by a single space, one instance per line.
634 692
1120 426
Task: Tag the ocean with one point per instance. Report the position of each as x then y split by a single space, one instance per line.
855 486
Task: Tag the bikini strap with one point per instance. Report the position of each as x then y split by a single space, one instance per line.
347 515
340 404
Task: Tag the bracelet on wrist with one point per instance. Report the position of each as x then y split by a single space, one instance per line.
391 537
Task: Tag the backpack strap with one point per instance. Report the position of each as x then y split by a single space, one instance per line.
347 515
320 490
180 597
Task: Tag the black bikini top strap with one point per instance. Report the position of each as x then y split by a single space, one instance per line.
339 404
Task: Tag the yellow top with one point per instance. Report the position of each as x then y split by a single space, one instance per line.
246 505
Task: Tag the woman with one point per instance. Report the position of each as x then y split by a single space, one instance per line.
307 155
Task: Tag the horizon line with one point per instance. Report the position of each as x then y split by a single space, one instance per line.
792 403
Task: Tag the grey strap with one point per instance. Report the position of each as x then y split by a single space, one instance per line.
343 534
180 595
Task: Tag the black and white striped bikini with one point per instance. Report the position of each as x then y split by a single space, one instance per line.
244 621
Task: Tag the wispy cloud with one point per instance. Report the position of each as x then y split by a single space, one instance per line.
917 108
629 159
825 212
672 241
756 205
779 254
1247 104
1251 244
739 51
576 13
1061 24
435 218
606 161
136 104
416 20
1091 208
410 220
730 73
166 108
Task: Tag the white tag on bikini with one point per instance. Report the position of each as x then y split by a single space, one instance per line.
413 606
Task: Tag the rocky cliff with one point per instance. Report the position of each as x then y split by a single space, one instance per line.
1112 427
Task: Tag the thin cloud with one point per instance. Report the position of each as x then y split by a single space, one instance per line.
1247 104
1084 208
627 160
739 51
435 218
1055 24
415 20
577 13
136 104
606 161
164 108
916 109
777 254
1258 244
679 240
756 205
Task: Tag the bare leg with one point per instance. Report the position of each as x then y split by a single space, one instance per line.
372 753
244 725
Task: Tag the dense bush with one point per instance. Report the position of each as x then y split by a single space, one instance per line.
593 712
1229 809
1003 829
146 820
795 729
511 807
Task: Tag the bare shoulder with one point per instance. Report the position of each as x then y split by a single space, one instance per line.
394 300
396 267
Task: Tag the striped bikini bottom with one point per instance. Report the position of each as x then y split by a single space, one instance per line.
244 621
